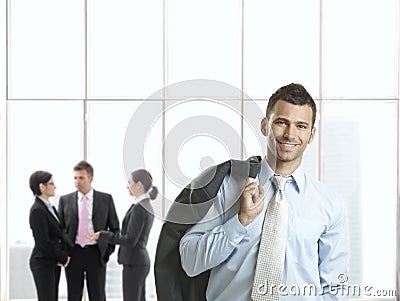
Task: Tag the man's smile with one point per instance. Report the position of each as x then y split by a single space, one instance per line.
287 144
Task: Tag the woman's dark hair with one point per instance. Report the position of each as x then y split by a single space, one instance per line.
38 177
143 176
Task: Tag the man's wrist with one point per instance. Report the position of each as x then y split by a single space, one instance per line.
244 219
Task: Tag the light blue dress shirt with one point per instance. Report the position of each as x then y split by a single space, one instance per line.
316 250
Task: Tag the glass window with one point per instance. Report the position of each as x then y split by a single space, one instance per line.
360 53
281 45
143 144
359 151
42 135
253 139
102 54
125 55
46 49
3 162
198 134
199 48
113 127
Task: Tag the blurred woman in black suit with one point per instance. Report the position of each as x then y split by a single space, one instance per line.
49 252
134 235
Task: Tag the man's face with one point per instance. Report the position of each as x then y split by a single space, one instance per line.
83 182
289 130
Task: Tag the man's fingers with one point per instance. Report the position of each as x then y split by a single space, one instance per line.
250 186
261 190
258 191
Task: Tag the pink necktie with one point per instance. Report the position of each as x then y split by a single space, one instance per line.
83 222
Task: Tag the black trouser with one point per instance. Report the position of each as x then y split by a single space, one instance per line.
46 275
134 282
86 262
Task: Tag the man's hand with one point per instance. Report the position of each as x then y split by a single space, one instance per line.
65 264
251 202
93 236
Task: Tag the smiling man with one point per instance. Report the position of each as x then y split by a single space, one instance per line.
282 236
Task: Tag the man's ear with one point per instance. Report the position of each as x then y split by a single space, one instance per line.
312 135
264 126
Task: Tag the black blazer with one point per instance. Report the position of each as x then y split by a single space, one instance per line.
134 235
172 283
50 239
104 217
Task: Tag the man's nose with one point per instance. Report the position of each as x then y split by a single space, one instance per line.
289 131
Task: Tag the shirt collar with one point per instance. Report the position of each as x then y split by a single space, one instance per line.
265 173
89 195
142 197
47 203
298 177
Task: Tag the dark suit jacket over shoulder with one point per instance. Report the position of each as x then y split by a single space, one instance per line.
172 283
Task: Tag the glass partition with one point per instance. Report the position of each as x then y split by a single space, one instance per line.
360 148
42 135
